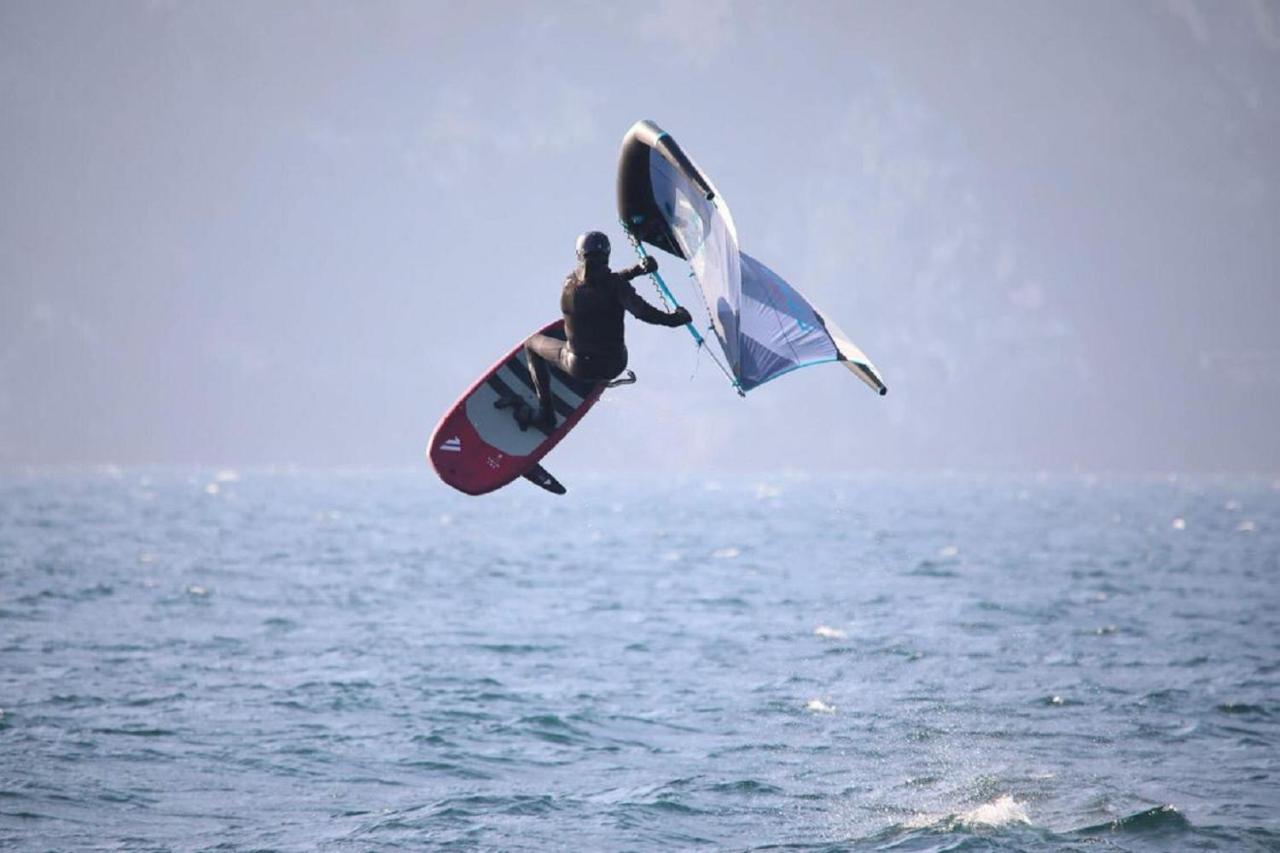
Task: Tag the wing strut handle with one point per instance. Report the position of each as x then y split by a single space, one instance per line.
670 298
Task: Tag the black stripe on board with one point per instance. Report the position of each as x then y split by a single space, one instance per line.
522 373
507 393
581 387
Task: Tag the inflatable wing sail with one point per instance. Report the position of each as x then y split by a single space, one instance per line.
764 325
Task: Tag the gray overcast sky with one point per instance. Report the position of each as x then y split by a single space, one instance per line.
241 233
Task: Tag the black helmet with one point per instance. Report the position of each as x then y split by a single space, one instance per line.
593 243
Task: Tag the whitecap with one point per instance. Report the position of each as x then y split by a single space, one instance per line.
817 706
226 475
949 551
1179 524
211 489
1246 526
1001 811
829 633
726 553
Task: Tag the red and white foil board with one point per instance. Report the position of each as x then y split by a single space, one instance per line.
478 447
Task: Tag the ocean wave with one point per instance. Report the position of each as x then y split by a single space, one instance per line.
373 683
1002 811
1160 821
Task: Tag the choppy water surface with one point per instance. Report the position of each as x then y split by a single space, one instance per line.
368 661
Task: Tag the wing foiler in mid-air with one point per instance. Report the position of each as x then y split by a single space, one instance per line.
763 325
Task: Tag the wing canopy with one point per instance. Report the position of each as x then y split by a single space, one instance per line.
764 325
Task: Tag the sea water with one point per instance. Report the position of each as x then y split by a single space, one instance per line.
368 661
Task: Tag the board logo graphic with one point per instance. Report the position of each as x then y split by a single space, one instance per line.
454 445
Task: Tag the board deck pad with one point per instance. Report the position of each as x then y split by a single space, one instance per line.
478 446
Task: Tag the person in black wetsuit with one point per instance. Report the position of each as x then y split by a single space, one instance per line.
592 301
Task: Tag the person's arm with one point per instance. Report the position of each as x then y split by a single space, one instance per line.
642 310
648 265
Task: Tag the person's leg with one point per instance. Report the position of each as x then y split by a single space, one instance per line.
538 351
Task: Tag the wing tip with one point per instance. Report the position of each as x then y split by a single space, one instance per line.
867 373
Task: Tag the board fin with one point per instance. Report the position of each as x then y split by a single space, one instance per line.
539 476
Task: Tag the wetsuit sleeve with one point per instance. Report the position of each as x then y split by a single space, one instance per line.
632 272
633 302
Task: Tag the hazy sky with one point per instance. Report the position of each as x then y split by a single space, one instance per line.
243 233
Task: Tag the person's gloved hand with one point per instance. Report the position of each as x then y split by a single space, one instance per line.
681 316
649 264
